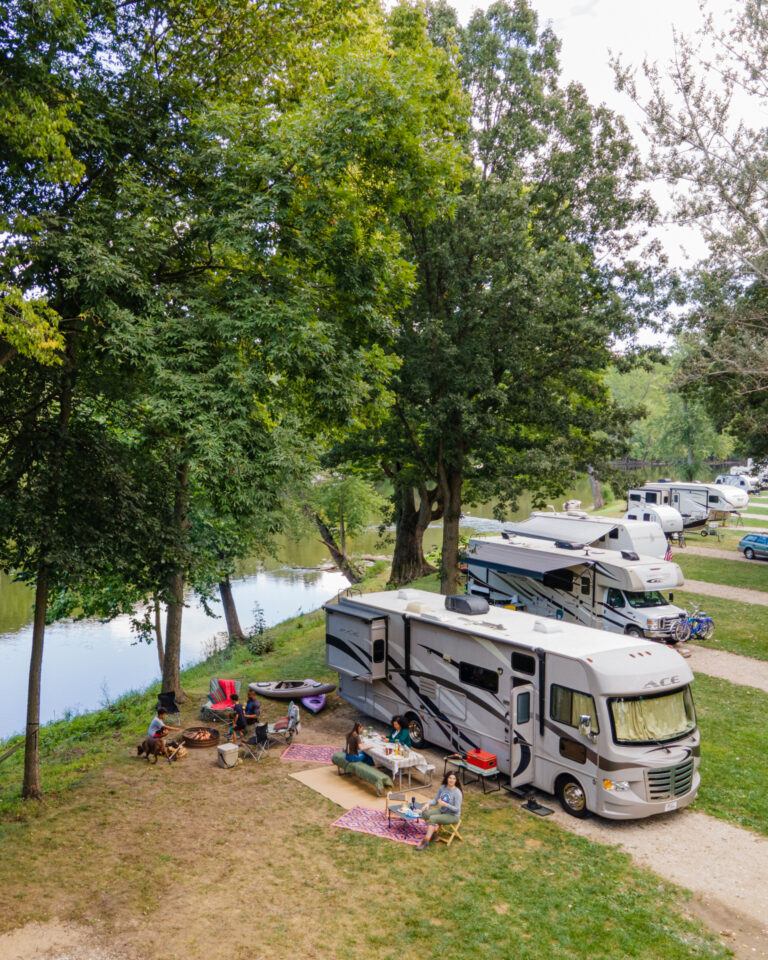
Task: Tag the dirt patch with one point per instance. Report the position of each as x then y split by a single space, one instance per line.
742 594
745 671
714 552
55 940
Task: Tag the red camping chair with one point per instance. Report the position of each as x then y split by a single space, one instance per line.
218 706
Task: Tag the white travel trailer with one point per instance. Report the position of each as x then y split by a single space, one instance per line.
742 480
577 583
696 502
605 722
642 535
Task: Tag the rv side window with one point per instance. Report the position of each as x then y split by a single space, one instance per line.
714 499
585 585
646 516
615 599
475 676
378 650
567 706
650 497
559 580
524 708
523 663
635 497
614 534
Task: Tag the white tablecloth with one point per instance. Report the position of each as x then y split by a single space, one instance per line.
376 748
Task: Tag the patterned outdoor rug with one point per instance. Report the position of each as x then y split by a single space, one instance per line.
363 820
308 751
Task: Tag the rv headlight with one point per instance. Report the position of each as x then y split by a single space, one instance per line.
616 784
652 624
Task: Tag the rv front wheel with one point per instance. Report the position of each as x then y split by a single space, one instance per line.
634 632
572 797
416 730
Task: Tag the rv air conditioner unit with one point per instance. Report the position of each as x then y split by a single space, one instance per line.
464 603
567 545
629 555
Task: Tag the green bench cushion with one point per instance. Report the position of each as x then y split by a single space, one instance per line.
377 778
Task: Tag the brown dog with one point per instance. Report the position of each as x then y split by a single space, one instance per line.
152 747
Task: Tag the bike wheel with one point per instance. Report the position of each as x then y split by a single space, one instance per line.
682 630
708 630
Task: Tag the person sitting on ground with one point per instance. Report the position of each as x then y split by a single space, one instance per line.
158 729
399 732
353 752
447 802
252 707
238 721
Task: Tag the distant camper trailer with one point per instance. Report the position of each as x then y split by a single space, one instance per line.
669 519
696 502
568 580
643 535
605 722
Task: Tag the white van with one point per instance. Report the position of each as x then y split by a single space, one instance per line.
605 722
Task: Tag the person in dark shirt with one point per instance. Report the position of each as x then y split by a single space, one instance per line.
238 721
353 752
252 707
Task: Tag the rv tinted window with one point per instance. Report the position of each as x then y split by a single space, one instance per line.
646 516
714 499
559 580
524 708
585 585
567 706
475 676
635 497
523 663
614 534
378 650
650 497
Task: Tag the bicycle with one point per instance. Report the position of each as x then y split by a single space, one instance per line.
695 625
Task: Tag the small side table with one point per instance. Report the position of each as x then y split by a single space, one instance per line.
486 777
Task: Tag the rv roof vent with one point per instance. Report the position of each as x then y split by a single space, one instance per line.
462 603
415 606
629 555
407 594
578 513
546 626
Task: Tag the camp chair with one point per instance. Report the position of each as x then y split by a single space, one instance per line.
219 703
257 745
167 700
284 729
452 830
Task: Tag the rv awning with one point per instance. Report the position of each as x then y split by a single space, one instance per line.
557 528
523 560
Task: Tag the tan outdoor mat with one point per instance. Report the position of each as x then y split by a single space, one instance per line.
348 791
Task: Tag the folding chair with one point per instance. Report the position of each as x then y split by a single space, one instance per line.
218 706
167 700
284 729
257 745
453 833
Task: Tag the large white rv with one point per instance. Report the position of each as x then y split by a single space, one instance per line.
605 722
696 502
642 537
581 584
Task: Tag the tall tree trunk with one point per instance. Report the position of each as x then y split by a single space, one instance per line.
31 788
158 630
598 500
175 603
230 610
343 562
450 488
408 561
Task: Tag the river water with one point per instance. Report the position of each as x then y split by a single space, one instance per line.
88 663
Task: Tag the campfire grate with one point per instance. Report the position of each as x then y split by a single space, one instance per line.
196 738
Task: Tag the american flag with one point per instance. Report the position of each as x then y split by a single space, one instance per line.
668 554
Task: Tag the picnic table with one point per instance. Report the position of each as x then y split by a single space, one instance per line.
397 758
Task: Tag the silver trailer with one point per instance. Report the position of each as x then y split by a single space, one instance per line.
696 502
605 722
636 535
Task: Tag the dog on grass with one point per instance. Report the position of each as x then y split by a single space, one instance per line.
152 747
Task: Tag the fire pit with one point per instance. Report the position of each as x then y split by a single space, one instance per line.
197 737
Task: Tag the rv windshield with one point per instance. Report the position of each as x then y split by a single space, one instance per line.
666 716
648 598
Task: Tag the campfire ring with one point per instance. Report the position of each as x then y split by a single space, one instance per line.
193 742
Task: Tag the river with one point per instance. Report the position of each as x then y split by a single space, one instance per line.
88 663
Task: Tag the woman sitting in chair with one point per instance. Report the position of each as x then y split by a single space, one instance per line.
353 752
447 802
399 732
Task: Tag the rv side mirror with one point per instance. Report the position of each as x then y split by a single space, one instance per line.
671 598
585 725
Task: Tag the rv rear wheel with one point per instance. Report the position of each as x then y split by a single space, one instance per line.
572 798
634 632
415 728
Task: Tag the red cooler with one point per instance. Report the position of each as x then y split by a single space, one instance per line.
481 759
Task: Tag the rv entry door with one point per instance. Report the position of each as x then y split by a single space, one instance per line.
522 734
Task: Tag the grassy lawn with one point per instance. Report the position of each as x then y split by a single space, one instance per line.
728 540
739 627
733 573
734 774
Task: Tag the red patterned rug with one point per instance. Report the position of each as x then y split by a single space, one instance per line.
364 820
309 752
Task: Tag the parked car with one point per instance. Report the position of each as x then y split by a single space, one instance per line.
754 545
